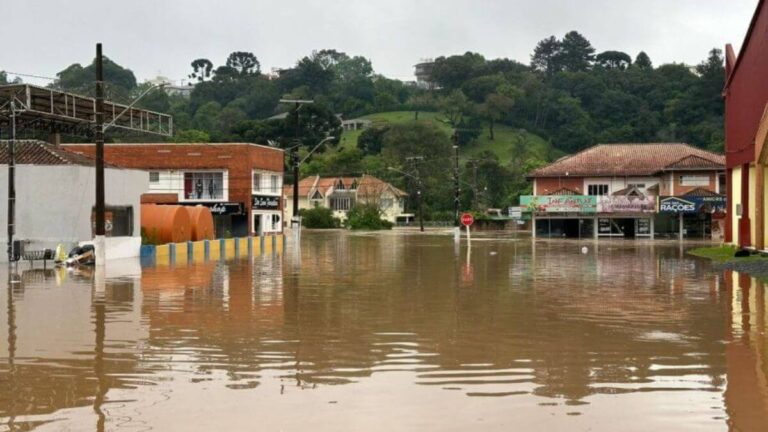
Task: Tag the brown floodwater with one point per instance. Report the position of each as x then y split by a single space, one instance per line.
391 331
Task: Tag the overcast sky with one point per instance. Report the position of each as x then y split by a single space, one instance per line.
161 37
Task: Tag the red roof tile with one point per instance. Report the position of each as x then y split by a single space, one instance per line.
366 184
631 159
29 152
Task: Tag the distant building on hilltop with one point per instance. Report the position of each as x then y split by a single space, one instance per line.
423 72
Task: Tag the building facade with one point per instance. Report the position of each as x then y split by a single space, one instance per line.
240 182
746 131
340 194
628 191
55 198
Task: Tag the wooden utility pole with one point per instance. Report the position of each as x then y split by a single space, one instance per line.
100 229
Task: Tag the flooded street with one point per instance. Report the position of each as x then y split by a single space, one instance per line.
391 331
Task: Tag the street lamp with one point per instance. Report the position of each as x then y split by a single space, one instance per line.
296 164
418 194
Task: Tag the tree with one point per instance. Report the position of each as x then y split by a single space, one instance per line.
498 105
191 136
244 63
451 72
201 69
547 55
371 140
576 52
642 61
613 60
454 107
424 101
119 81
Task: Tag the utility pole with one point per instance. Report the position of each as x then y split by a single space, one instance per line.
100 231
12 185
298 103
416 160
456 189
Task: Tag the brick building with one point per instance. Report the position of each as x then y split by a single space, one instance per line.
240 182
746 132
629 190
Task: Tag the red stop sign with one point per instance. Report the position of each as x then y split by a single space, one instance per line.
467 219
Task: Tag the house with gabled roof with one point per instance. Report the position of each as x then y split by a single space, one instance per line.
341 193
617 190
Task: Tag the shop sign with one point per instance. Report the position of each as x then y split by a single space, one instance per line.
626 204
265 202
221 208
707 204
559 203
515 212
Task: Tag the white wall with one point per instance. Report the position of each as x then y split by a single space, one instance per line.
53 203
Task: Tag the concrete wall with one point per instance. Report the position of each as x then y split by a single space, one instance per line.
53 203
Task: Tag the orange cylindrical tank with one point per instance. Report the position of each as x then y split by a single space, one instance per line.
201 221
165 223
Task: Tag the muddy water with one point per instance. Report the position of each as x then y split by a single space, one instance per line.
390 332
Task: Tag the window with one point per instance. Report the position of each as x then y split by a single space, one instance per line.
639 186
354 185
694 180
204 185
275 222
256 181
154 177
339 185
341 204
274 184
597 189
386 203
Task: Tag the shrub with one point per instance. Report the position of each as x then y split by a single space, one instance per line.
366 217
318 217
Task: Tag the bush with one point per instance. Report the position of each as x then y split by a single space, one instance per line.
319 218
366 217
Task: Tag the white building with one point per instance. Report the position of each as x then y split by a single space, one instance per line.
341 193
55 196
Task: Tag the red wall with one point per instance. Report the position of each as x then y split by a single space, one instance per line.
747 93
238 159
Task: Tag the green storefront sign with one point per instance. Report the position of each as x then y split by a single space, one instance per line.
559 203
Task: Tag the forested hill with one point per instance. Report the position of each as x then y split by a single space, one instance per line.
569 97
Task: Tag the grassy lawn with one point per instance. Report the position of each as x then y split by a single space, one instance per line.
502 145
723 254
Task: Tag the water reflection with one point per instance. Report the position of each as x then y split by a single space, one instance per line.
393 331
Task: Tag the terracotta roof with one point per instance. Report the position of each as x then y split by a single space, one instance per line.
700 192
631 159
564 191
366 184
30 152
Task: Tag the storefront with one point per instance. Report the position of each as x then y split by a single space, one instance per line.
561 216
691 217
626 216
229 218
266 214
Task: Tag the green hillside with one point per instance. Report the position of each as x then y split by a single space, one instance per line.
504 144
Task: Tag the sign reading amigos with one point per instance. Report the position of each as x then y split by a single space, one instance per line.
559 203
